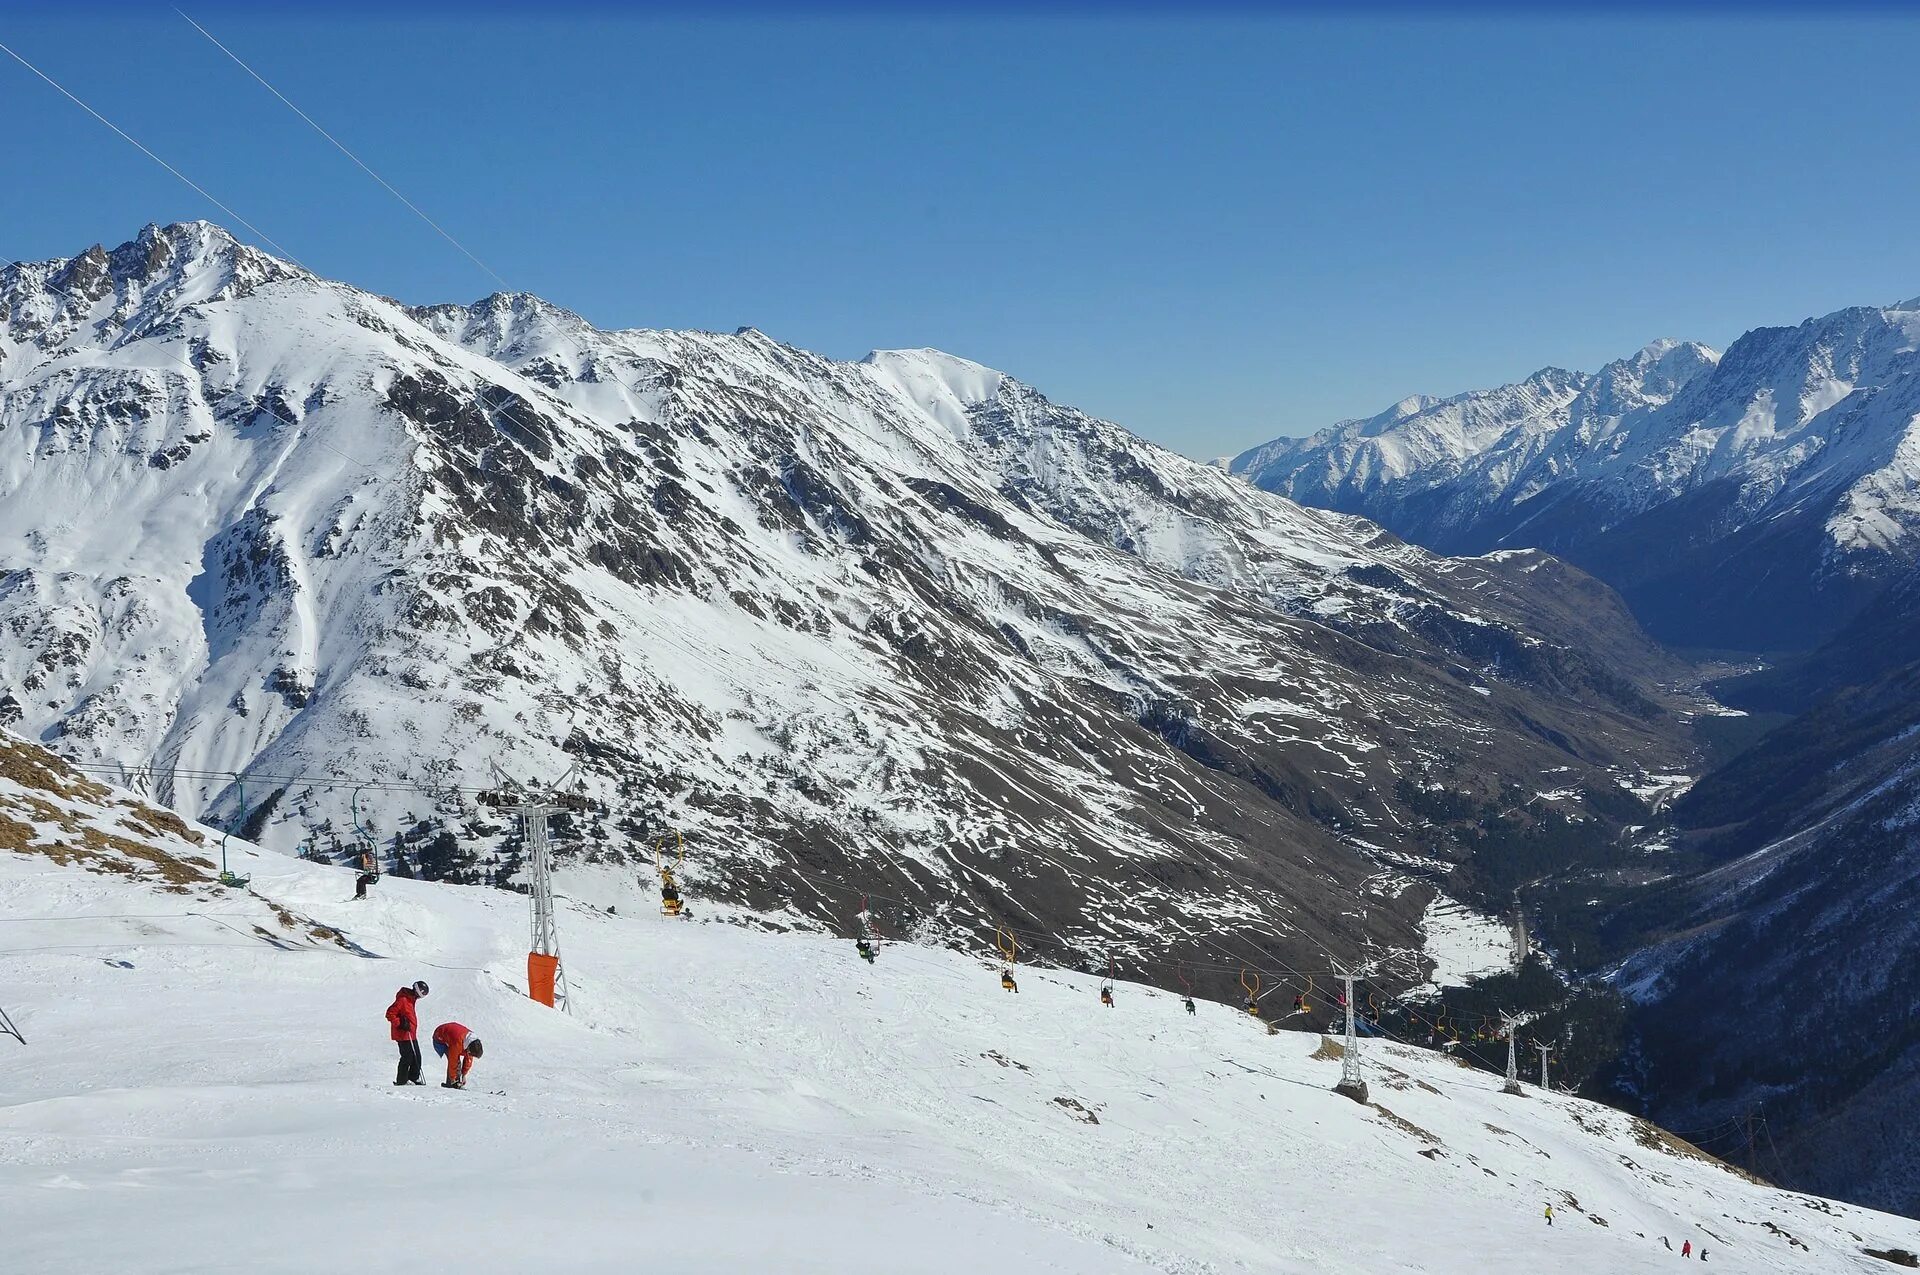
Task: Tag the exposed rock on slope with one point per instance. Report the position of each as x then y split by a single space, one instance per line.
900 626
1778 978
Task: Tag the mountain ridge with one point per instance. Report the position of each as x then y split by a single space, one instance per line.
903 622
1680 477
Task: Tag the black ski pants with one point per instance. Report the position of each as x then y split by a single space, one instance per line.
409 1062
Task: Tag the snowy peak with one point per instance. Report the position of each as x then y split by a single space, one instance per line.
501 324
155 274
905 626
1684 478
944 386
1652 376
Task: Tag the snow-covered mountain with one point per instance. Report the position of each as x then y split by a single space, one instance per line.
900 626
205 1085
1752 500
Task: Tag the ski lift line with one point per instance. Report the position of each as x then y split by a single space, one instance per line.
315 781
115 916
342 148
1263 960
1265 963
130 140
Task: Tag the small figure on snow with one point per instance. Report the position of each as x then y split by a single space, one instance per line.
1549 1215
368 875
403 1022
1686 1248
459 1047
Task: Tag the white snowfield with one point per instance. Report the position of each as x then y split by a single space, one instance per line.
206 1087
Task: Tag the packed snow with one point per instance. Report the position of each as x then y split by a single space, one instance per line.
206 1085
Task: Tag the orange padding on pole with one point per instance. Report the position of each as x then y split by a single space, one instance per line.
541 970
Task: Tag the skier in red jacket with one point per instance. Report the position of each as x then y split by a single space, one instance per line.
459 1047
403 1023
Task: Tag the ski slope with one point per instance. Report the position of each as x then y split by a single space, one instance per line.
205 1087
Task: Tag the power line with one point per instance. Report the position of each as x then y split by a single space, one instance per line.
342 148
199 189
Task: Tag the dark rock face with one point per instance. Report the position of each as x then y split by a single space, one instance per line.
1776 976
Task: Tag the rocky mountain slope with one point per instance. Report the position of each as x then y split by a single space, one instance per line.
1776 978
901 626
1751 501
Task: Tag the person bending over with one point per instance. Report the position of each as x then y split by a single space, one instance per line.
459 1047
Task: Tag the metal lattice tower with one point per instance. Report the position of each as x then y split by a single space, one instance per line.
534 806
1353 1083
1507 1023
1544 1051
546 935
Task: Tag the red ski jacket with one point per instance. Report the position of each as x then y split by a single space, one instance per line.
403 1017
452 1037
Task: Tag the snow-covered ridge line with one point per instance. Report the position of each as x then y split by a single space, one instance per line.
1787 470
903 624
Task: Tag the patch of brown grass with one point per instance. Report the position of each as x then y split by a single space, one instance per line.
1654 1138
33 767
168 822
168 868
15 835
1407 1126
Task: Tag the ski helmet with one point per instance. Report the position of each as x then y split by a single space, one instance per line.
473 1047
420 988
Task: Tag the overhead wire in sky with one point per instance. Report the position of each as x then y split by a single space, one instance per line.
343 149
135 143
1262 959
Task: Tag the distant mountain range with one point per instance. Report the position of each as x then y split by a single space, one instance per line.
1764 500
306 562
1753 500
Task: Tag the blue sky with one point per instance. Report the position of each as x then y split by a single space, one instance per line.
1213 229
